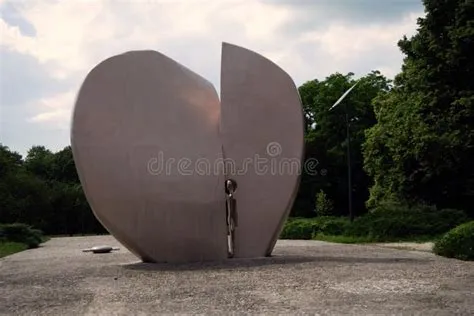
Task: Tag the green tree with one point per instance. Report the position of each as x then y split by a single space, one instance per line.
325 139
44 191
10 165
23 196
64 168
324 206
40 162
10 161
422 147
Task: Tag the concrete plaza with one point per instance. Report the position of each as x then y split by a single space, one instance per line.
303 277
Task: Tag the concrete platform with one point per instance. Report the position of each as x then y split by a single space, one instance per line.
304 277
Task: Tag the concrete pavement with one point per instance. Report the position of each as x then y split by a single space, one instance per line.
303 277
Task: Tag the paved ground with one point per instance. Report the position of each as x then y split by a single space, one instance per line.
424 246
304 277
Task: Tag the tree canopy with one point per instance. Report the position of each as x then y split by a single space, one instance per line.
421 148
326 138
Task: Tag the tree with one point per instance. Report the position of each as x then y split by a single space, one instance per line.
422 147
40 162
64 168
23 197
44 191
9 161
324 206
10 165
325 139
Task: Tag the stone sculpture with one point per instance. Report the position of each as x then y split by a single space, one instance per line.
172 172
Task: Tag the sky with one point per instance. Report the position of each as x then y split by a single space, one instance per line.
48 47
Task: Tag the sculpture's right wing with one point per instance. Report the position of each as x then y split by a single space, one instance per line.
262 130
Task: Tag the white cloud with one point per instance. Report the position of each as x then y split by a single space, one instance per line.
73 36
344 47
55 111
345 41
60 31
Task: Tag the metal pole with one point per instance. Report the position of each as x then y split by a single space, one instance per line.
348 137
349 173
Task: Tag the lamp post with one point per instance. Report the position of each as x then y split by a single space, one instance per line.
348 137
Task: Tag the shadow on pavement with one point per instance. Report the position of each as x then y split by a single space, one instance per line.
267 261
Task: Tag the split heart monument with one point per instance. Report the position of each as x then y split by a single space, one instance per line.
177 175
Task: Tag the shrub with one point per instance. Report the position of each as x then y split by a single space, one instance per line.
457 243
332 226
21 233
395 221
307 228
387 222
300 228
324 206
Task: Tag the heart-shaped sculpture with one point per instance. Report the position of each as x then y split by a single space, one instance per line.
152 147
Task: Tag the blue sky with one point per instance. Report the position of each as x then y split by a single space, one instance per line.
48 47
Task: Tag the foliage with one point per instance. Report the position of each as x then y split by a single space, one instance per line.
421 148
388 222
343 239
395 222
324 206
457 243
325 139
307 228
298 229
21 233
43 190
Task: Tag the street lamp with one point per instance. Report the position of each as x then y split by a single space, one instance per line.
348 137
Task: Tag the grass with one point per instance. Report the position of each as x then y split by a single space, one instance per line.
8 248
365 240
343 239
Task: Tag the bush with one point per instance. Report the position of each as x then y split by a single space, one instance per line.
333 226
394 222
307 228
324 206
298 228
21 233
457 243
387 222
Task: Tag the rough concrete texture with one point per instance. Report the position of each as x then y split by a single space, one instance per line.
303 277
424 246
